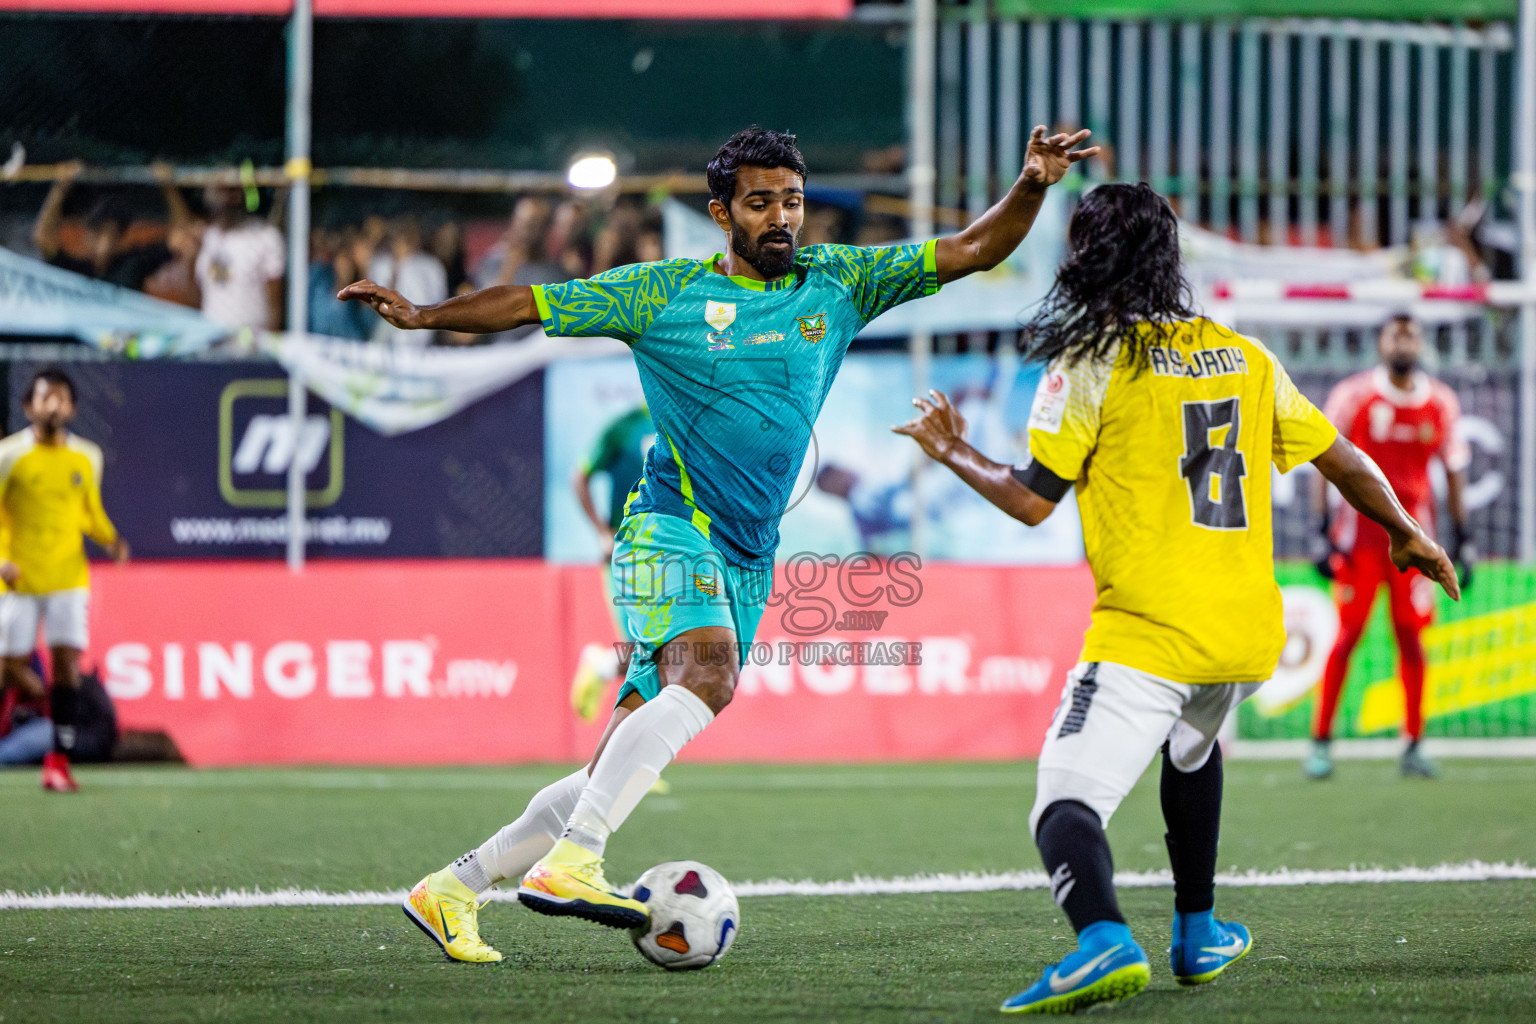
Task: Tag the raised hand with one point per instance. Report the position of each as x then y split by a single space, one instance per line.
1049 159
938 428
395 308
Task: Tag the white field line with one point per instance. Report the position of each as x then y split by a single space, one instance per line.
1471 871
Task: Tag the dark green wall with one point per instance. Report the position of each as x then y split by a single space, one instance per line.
445 93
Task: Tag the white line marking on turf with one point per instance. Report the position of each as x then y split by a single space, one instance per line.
1472 871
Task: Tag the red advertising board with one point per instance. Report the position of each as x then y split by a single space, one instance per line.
447 662
722 9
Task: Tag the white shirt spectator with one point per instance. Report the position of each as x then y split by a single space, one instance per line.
233 270
421 278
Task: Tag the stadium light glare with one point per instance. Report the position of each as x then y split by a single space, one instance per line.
592 171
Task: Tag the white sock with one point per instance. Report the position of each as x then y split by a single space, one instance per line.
512 851
642 745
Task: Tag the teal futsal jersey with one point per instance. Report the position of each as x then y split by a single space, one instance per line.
735 372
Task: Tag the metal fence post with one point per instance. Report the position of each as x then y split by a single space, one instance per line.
300 75
921 110
1525 179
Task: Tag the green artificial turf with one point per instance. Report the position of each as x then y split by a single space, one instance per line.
1415 952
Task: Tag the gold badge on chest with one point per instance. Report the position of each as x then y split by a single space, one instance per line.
719 315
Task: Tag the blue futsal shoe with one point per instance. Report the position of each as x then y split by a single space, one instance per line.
1203 947
1107 967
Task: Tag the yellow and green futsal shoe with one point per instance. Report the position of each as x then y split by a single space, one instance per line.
589 684
569 882
448 911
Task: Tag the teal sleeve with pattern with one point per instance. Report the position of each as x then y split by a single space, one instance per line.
619 303
881 277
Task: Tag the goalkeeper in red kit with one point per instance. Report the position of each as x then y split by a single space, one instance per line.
1403 419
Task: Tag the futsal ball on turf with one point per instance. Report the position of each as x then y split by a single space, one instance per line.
694 916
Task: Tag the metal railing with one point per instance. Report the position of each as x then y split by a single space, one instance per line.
1333 132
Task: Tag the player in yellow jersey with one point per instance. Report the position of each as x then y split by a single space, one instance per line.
50 494
1165 423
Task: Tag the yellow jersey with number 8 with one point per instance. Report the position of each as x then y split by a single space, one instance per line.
1170 462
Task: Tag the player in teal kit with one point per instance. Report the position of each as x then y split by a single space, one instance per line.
736 354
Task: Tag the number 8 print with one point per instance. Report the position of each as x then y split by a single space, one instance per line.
1214 473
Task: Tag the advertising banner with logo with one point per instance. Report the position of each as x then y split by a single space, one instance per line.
197 456
1480 676
362 662
449 662
854 491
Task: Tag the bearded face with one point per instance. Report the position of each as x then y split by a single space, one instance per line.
771 253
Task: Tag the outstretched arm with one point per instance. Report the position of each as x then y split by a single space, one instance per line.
1362 484
940 431
992 236
498 308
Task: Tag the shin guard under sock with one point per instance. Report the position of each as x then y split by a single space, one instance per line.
1192 811
1076 855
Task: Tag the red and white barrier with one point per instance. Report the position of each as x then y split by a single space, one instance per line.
1385 290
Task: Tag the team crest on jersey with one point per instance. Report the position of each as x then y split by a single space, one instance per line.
707 585
76 479
719 315
814 327
1050 402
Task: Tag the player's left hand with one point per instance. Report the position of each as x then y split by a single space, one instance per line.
1416 551
9 572
395 308
119 551
938 428
1049 159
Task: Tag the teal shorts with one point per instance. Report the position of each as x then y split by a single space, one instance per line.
667 579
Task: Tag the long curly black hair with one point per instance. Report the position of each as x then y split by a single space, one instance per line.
1122 281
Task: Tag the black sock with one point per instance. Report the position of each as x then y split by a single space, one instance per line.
1192 810
62 703
1076 854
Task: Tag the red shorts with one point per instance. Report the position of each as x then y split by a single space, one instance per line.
1359 574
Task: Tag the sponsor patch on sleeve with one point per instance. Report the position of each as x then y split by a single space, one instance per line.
1050 402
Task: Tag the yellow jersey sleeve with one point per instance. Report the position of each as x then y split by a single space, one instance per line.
93 522
11 449
1302 432
1066 416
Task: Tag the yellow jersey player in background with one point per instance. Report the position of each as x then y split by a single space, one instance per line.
50 496
1165 423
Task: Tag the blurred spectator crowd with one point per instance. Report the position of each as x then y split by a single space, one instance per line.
215 253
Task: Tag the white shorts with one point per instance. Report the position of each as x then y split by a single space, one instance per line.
1109 725
65 616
